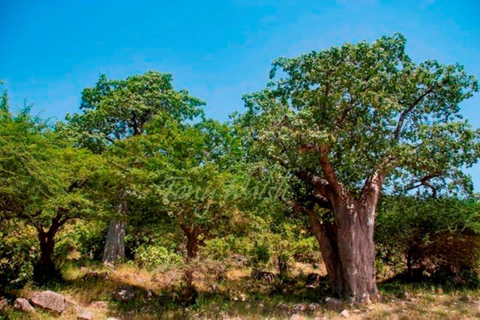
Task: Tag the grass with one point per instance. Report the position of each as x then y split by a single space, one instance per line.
231 293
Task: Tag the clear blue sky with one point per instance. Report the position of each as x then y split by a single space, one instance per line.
218 50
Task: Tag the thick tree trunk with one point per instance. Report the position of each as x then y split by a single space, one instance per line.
115 242
348 251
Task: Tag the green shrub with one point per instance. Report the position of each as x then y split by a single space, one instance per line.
153 256
218 248
17 255
435 238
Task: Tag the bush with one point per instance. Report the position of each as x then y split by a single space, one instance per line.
153 256
17 255
439 239
218 248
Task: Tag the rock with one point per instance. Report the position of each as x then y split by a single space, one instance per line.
70 303
23 304
313 306
49 300
124 293
85 315
149 294
282 306
334 304
99 305
407 295
345 314
3 303
263 275
299 307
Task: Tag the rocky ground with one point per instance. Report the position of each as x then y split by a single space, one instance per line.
92 292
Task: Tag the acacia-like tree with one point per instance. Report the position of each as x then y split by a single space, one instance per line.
42 181
346 121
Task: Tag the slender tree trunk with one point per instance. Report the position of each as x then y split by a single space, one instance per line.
192 246
192 234
348 251
44 269
115 242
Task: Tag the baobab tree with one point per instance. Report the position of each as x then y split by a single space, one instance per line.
345 122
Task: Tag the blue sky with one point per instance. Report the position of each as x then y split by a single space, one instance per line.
218 50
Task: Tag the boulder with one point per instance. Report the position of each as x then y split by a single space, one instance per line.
124 293
85 315
334 304
23 304
3 303
49 300
313 306
345 314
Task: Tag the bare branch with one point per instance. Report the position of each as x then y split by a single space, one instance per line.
425 181
405 113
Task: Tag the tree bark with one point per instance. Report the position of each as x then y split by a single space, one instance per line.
45 269
356 252
192 234
348 252
115 242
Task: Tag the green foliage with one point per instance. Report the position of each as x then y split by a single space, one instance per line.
365 107
440 238
17 254
153 256
116 109
42 180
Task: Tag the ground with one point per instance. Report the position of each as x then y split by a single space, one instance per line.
227 291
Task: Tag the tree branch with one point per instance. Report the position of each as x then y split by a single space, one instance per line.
329 172
405 113
425 181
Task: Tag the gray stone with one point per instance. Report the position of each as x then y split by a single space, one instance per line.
313 306
23 304
345 314
124 293
49 300
85 315
299 307
334 304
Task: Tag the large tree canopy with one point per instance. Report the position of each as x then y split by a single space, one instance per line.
344 121
367 108
116 109
42 180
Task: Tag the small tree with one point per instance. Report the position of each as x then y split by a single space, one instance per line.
344 122
115 110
